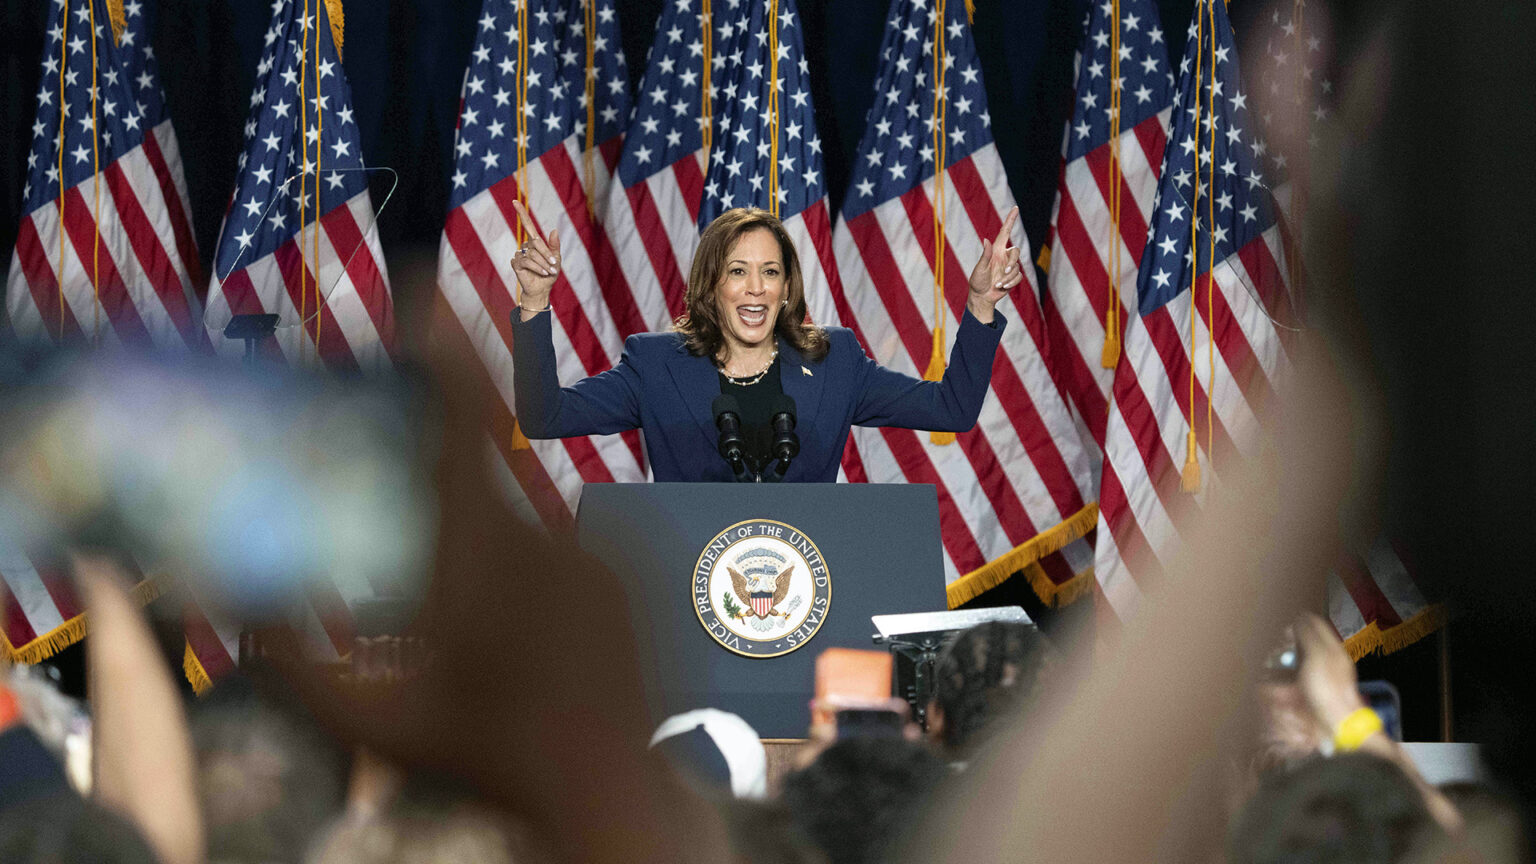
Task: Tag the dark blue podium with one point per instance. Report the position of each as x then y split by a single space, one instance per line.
736 588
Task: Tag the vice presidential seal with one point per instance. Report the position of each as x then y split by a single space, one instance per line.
761 588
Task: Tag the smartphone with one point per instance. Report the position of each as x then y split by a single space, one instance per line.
869 723
853 695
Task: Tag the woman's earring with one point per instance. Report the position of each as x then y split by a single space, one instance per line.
783 302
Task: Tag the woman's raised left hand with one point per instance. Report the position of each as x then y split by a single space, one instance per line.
996 273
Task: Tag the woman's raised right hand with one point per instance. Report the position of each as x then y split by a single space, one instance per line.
536 264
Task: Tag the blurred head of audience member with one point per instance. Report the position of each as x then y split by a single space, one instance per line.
858 797
716 752
765 832
989 671
65 829
1348 809
268 779
429 822
1494 830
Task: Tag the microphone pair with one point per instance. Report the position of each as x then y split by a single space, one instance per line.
784 448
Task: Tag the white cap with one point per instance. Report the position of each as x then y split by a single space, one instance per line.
736 740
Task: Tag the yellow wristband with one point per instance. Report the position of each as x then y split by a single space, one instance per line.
1354 729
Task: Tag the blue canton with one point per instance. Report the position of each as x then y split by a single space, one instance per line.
1146 80
264 214
896 153
667 117
138 59
119 117
741 157
1239 195
1289 72
556 105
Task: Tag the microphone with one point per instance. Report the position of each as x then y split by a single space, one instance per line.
786 444
728 420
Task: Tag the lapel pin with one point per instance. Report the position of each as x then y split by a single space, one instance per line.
807 371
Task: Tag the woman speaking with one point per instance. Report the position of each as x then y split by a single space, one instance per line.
744 335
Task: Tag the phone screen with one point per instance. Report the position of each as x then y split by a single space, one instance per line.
868 723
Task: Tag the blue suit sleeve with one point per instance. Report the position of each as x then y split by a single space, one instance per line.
888 398
599 405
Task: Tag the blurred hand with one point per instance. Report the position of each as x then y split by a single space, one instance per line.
1326 675
536 263
996 272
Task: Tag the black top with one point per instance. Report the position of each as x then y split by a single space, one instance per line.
756 403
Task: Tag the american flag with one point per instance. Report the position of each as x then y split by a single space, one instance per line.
106 256
1099 166
1192 402
139 64
653 210
1373 601
299 239
765 151
40 613
302 155
526 96
1291 71
1016 487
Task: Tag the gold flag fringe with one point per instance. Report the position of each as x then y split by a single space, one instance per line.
197 676
1054 595
1374 640
118 19
997 571
338 18
68 633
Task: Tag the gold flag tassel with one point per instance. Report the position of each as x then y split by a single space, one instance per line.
935 370
116 15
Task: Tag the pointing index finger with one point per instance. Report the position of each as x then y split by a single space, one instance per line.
1003 233
527 220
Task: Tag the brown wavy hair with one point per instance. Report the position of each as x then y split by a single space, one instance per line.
700 323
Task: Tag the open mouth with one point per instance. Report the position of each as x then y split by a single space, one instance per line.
752 316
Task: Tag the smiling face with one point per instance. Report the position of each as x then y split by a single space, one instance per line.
748 295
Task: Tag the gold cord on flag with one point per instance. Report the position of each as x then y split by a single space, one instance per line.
773 106
1111 353
303 181
706 94
935 370
522 118
520 231
95 183
63 70
588 169
1210 270
319 154
1189 477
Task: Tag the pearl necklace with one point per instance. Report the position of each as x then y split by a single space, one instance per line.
743 382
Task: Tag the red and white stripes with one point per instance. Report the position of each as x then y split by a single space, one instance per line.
595 309
126 260
1021 471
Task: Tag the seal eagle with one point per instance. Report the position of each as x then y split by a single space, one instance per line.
768 591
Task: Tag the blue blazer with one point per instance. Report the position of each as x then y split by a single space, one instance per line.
663 390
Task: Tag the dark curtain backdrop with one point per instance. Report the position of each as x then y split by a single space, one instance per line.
405 61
